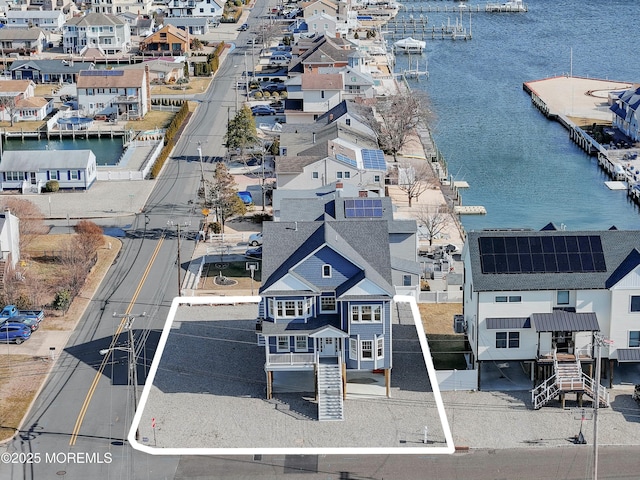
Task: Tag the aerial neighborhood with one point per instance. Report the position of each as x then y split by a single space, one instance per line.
289 163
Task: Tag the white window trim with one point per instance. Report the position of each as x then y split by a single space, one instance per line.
353 348
298 347
335 305
362 357
301 308
379 347
630 301
359 308
278 349
323 271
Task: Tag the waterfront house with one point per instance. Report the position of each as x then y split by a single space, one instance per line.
192 25
9 241
47 20
346 203
107 33
114 7
196 8
326 307
125 92
538 298
29 171
48 71
626 112
321 24
169 40
20 103
22 40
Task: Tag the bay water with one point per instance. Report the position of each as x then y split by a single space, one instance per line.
521 166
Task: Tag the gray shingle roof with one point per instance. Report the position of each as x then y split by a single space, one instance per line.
37 160
365 243
51 66
617 246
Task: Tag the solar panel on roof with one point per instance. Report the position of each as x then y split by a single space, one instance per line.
101 73
550 254
363 208
373 159
347 160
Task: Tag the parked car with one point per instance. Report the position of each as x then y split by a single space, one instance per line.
255 239
274 87
14 332
263 110
246 197
254 253
31 322
244 27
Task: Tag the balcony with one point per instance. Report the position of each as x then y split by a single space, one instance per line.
289 361
127 99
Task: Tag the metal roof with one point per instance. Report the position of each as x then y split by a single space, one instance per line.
507 323
628 355
562 321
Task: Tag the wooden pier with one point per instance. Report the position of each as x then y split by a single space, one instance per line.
60 134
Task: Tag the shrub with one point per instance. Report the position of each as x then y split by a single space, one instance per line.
62 300
261 217
257 95
215 227
52 186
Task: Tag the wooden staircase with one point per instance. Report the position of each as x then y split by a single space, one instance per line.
568 377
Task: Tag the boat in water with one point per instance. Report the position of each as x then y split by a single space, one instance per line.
510 6
409 45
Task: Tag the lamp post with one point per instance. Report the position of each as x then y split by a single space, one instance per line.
204 185
170 223
132 358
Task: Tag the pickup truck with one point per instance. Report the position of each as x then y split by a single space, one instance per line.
11 311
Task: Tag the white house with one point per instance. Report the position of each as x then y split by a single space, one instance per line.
29 170
113 7
9 238
108 33
625 112
48 20
538 299
125 92
196 8
22 104
310 95
322 24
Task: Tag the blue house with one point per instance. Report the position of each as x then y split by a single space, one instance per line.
326 305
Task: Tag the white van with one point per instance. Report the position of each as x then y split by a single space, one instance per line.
279 59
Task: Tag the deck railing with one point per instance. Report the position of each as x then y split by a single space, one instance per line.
291 359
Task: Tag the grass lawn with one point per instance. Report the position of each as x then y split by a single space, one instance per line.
446 347
152 120
195 85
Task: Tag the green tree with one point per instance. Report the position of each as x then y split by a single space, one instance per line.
241 131
224 197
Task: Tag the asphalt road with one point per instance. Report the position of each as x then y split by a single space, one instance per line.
79 423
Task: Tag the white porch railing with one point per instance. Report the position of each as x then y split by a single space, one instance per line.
291 359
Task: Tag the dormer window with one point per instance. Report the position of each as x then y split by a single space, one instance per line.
326 271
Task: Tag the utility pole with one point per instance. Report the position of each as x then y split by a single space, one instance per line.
204 185
177 224
132 357
598 342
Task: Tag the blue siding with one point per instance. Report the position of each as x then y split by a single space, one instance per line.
341 268
369 331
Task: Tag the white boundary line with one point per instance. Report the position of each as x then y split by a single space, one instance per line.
217 300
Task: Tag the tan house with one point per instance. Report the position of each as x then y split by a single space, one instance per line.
169 40
17 102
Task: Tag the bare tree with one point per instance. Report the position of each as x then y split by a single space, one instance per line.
9 104
89 239
434 219
414 178
397 118
31 219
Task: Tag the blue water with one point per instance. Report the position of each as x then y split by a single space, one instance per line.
522 167
107 150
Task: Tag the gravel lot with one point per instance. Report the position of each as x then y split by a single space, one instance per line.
209 392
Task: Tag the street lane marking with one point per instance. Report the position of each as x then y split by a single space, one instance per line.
94 384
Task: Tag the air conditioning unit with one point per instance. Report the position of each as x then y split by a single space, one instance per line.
459 324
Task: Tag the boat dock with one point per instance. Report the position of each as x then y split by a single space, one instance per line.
95 132
580 104
508 7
